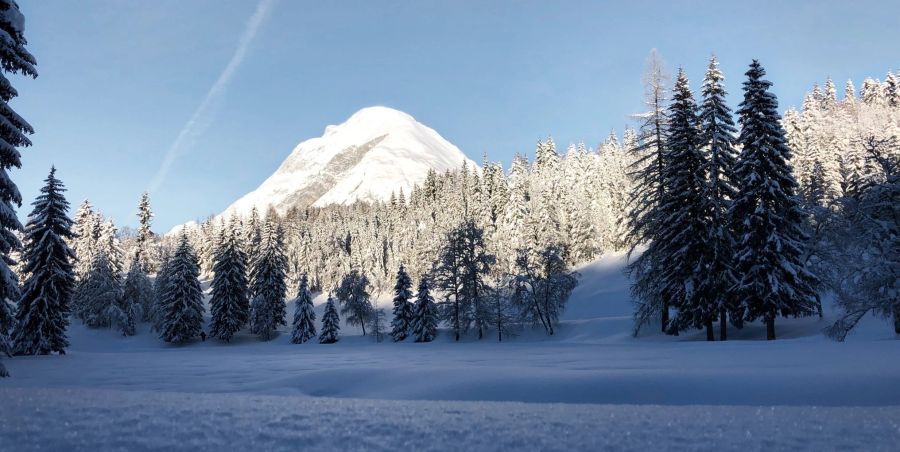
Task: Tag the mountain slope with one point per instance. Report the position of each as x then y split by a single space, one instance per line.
377 151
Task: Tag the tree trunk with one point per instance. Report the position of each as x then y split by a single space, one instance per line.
897 318
664 316
710 335
770 328
819 305
723 326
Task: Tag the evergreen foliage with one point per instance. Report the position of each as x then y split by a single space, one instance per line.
44 307
767 214
425 315
331 324
230 301
267 308
304 324
403 309
181 308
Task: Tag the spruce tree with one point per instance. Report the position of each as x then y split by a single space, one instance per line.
718 133
304 324
97 298
137 291
403 309
331 324
43 314
144 235
230 301
683 233
160 283
83 243
181 310
425 315
15 60
767 214
267 309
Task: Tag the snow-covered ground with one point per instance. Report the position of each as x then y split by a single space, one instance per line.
591 386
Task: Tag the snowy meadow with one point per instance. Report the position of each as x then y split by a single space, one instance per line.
714 277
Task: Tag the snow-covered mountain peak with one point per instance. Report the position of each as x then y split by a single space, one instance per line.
377 151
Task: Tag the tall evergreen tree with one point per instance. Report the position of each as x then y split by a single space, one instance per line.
160 283
718 141
331 324
425 315
181 310
682 235
267 309
137 292
83 242
767 213
304 316
43 314
144 235
230 301
14 59
403 309
98 296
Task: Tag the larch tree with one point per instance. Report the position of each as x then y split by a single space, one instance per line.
43 310
353 295
648 162
767 214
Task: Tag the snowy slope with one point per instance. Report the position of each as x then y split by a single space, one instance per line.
377 151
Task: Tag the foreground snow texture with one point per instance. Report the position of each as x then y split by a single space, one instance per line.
119 420
597 388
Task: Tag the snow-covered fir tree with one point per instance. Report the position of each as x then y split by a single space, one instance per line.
144 239
718 134
356 304
268 286
181 307
160 283
682 234
137 292
767 214
425 315
230 302
43 309
403 308
331 323
304 324
83 242
16 60
98 296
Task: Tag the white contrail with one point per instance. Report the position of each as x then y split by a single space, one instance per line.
204 113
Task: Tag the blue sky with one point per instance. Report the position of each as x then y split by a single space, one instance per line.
120 81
